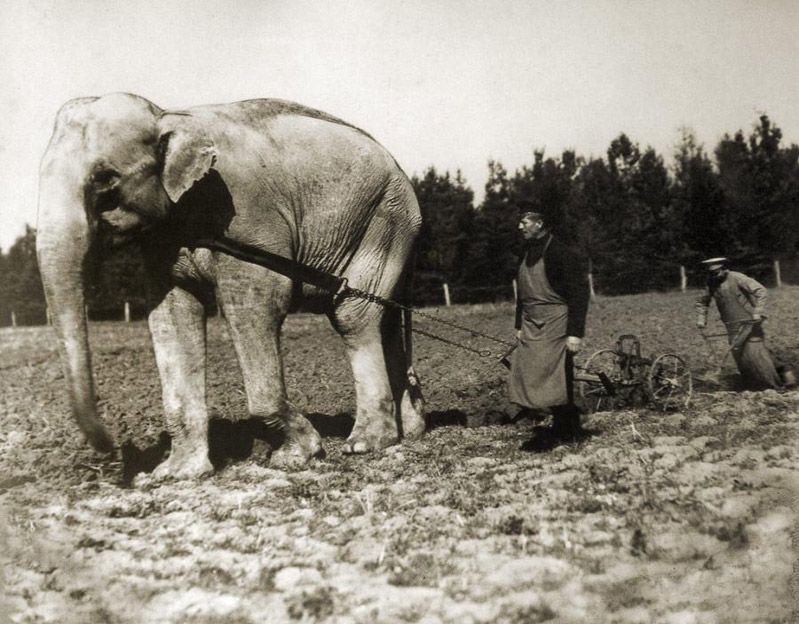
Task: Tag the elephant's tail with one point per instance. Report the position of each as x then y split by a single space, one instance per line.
414 385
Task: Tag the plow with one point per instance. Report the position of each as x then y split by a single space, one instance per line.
621 377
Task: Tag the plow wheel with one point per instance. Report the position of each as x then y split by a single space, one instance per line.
594 395
670 383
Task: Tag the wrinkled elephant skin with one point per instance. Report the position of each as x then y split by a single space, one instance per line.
267 173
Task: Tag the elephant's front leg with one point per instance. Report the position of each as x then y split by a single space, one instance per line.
177 326
255 303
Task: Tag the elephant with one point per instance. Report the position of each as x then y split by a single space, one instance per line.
266 173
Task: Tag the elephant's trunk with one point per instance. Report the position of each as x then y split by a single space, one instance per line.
62 243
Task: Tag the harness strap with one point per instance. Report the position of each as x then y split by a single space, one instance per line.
279 264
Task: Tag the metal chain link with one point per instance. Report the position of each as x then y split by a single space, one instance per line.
480 352
474 332
373 298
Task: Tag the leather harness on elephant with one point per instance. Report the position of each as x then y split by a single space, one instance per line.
279 264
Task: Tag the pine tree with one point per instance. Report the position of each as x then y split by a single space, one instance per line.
23 293
760 181
628 221
699 203
447 210
494 241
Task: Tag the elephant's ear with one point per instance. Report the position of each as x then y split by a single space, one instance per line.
187 157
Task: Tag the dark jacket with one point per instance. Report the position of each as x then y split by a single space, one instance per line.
567 274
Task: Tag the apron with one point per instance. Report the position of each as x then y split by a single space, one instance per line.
747 341
538 364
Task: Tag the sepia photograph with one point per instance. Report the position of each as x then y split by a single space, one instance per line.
399 311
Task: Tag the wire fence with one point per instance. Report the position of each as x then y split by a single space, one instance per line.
430 290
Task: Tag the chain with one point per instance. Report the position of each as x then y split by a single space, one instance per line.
373 298
473 332
480 352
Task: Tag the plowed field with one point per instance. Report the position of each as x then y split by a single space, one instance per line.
654 517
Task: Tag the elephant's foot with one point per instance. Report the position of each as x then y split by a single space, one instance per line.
98 437
302 442
187 465
374 435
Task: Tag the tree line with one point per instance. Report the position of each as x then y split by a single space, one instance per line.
635 219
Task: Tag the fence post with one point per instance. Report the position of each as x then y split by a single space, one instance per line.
591 290
86 312
127 312
49 318
446 295
515 291
13 319
777 273
683 279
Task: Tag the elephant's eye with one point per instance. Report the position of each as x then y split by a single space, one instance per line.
105 180
102 190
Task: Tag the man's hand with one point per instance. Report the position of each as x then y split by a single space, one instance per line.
700 323
518 334
573 344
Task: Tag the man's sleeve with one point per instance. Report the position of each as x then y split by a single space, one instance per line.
576 293
755 292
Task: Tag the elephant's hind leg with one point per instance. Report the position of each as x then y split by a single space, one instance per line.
375 418
386 406
384 409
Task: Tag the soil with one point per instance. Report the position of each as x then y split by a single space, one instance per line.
676 517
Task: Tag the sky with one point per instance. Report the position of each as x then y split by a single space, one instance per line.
449 83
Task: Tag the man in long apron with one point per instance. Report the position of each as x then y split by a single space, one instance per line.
741 302
551 308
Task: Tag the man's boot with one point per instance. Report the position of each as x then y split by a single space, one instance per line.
566 422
